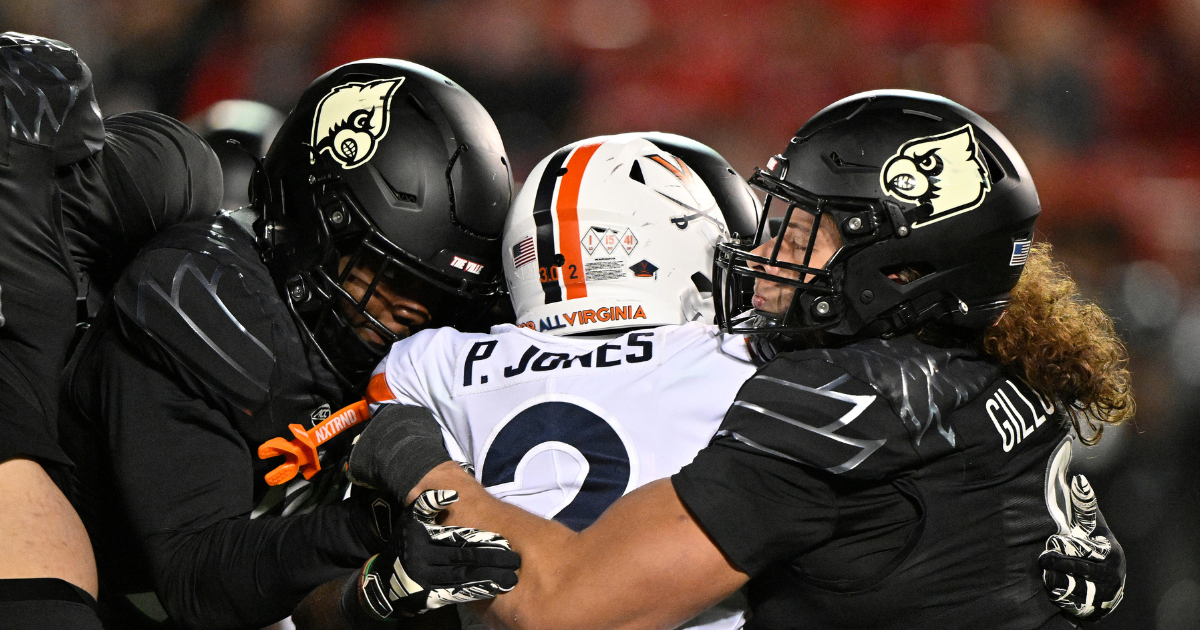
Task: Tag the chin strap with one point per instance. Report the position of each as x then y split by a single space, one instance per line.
909 314
300 454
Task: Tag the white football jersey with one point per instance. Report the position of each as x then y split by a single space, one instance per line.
564 426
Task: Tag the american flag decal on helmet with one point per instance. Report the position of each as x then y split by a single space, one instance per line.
524 252
1020 253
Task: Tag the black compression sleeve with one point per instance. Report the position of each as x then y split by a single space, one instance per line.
251 573
185 478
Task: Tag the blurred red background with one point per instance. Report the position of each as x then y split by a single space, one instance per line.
1101 97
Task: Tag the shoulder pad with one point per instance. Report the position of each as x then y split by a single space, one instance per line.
159 173
922 383
859 411
811 412
49 97
429 355
200 302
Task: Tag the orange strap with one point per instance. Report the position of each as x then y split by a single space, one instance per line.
300 454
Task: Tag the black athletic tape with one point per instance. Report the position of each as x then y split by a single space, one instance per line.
400 445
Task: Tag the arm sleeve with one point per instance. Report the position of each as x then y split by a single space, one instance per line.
184 476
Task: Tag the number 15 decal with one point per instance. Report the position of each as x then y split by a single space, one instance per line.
566 426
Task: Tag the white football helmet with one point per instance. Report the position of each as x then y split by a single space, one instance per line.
609 233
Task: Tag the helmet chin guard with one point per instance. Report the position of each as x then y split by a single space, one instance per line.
933 206
610 233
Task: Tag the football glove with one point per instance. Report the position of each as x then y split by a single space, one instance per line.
428 565
1084 570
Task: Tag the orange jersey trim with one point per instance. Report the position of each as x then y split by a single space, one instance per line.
378 390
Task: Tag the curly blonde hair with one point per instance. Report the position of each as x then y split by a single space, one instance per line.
1064 346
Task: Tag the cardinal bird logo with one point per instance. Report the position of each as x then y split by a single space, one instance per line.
943 171
352 119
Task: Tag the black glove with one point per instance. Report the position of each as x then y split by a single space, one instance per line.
400 445
1084 569
48 89
429 566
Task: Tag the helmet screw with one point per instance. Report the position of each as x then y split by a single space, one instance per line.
297 292
866 296
822 308
902 230
337 217
312 179
855 224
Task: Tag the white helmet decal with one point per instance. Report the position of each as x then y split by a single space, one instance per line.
944 171
352 119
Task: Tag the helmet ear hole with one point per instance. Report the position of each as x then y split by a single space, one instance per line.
905 273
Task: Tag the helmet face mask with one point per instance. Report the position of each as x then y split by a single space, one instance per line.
933 214
813 304
391 168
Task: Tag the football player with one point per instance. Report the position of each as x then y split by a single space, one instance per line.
377 212
613 376
901 460
79 195
239 132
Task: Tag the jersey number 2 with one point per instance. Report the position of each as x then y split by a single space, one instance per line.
567 423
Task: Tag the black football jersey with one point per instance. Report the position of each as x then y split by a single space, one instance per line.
885 484
77 202
193 363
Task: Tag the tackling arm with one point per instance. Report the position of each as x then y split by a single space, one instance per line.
645 563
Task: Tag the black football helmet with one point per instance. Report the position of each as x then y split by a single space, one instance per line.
919 188
388 163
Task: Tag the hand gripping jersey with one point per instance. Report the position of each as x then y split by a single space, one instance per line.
564 426
884 484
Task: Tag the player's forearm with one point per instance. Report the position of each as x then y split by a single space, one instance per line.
545 547
327 608
643 565
242 572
